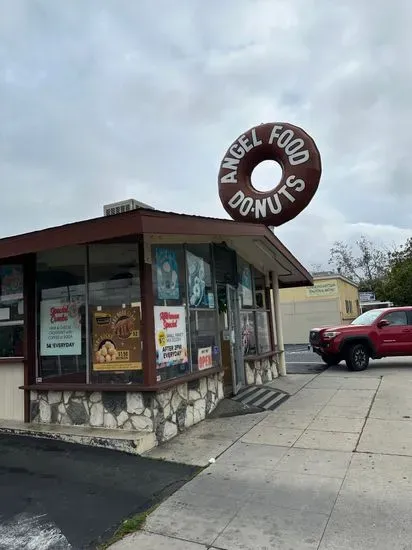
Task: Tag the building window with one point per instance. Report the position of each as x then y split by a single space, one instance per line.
114 302
262 313
169 282
89 314
245 285
170 314
255 311
202 303
62 336
203 339
248 330
348 305
11 311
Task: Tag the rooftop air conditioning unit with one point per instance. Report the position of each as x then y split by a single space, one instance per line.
124 206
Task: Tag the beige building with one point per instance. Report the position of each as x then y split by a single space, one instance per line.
333 300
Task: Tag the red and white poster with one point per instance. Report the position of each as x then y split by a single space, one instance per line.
170 329
60 328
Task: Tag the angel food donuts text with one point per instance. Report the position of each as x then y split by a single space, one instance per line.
299 158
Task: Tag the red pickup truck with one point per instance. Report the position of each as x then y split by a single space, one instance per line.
374 334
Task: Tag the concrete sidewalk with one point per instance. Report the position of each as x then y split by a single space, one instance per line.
330 469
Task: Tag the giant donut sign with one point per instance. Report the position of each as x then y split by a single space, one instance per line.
299 158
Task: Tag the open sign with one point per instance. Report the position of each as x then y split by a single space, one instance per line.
204 358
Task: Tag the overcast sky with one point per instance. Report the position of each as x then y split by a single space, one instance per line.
105 100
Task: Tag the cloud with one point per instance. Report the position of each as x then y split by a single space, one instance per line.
111 99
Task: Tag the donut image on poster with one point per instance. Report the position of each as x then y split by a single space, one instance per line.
106 352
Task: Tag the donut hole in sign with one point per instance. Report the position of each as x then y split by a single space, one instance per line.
266 175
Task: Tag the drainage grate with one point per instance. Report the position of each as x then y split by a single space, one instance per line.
261 396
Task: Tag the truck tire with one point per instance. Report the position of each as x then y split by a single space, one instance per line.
357 357
331 360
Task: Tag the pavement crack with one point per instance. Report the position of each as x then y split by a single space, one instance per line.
367 415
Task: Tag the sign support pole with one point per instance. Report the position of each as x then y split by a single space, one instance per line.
278 325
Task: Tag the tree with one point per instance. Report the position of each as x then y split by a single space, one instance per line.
367 264
397 284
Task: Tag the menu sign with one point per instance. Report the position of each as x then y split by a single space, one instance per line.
170 328
116 339
60 328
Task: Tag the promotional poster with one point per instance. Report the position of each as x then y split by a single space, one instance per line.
60 328
167 274
170 333
116 339
246 286
196 281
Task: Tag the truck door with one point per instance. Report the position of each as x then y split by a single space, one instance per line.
395 338
409 314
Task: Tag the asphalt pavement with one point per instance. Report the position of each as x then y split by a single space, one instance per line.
59 496
301 360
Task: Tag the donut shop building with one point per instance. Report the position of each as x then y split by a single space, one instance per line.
141 321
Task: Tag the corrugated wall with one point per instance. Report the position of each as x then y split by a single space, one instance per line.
299 318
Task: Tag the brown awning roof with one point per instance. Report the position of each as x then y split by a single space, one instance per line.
138 222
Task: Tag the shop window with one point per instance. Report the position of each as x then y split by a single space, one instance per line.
11 311
169 279
263 332
114 301
245 285
248 329
61 314
203 340
262 314
200 287
203 318
170 315
255 311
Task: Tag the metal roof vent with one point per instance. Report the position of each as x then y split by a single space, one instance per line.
124 206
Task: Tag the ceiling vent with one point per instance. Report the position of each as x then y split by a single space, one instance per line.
124 206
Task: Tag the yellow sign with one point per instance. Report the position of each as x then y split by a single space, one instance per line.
162 338
323 289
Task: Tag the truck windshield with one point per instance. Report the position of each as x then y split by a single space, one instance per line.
368 317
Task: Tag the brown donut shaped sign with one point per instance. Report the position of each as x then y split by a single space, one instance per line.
299 158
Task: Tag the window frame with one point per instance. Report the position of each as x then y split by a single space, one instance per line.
255 309
62 378
150 380
83 379
402 312
190 308
20 262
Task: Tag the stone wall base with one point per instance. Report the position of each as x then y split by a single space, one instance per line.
261 371
163 413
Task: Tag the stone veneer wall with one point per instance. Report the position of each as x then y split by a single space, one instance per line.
261 371
165 413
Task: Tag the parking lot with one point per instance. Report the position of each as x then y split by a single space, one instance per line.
57 496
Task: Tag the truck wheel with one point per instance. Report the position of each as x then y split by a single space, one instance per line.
331 360
357 357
